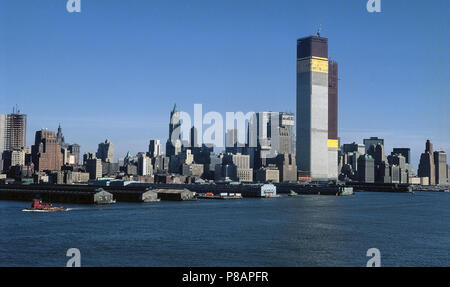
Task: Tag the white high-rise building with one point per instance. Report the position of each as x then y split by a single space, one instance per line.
316 149
145 166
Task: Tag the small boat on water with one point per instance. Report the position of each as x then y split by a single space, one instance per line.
293 193
39 206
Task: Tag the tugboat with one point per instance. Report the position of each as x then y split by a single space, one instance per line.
39 206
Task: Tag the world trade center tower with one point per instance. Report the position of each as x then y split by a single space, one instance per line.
316 151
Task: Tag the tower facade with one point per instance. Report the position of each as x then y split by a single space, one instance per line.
440 167
60 137
426 164
286 126
312 108
173 144
154 148
333 141
13 129
46 152
105 151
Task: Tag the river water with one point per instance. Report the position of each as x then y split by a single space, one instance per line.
408 229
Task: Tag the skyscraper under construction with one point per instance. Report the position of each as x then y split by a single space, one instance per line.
13 129
317 131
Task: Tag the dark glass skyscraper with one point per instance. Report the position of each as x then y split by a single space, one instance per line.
173 144
332 100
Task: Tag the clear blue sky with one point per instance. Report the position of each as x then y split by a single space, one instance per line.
116 69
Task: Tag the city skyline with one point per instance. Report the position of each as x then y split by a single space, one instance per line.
113 157
132 109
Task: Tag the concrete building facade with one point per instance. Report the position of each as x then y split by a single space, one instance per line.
406 152
312 143
366 169
268 174
13 128
46 152
94 168
245 174
372 141
440 167
105 151
145 166
154 148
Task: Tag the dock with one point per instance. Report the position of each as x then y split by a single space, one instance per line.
151 192
89 194
381 187
314 189
62 195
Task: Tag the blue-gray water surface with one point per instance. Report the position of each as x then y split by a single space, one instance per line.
408 229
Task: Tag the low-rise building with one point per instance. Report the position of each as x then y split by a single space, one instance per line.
195 170
245 174
80 177
268 174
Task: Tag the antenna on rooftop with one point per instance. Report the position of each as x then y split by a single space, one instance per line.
16 109
318 30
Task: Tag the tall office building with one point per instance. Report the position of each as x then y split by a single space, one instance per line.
353 147
13 158
263 135
173 146
94 167
366 168
232 143
316 151
13 129
60 137
193 138
231 140
426 164
16 127
160 164
105 151
333 141
46 152
440 166
145 166
372 141
154 148
406 152
2 139
286 133
74 149
71 152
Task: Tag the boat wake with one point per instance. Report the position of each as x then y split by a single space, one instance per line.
41 210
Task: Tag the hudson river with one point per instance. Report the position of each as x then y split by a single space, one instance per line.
408 229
